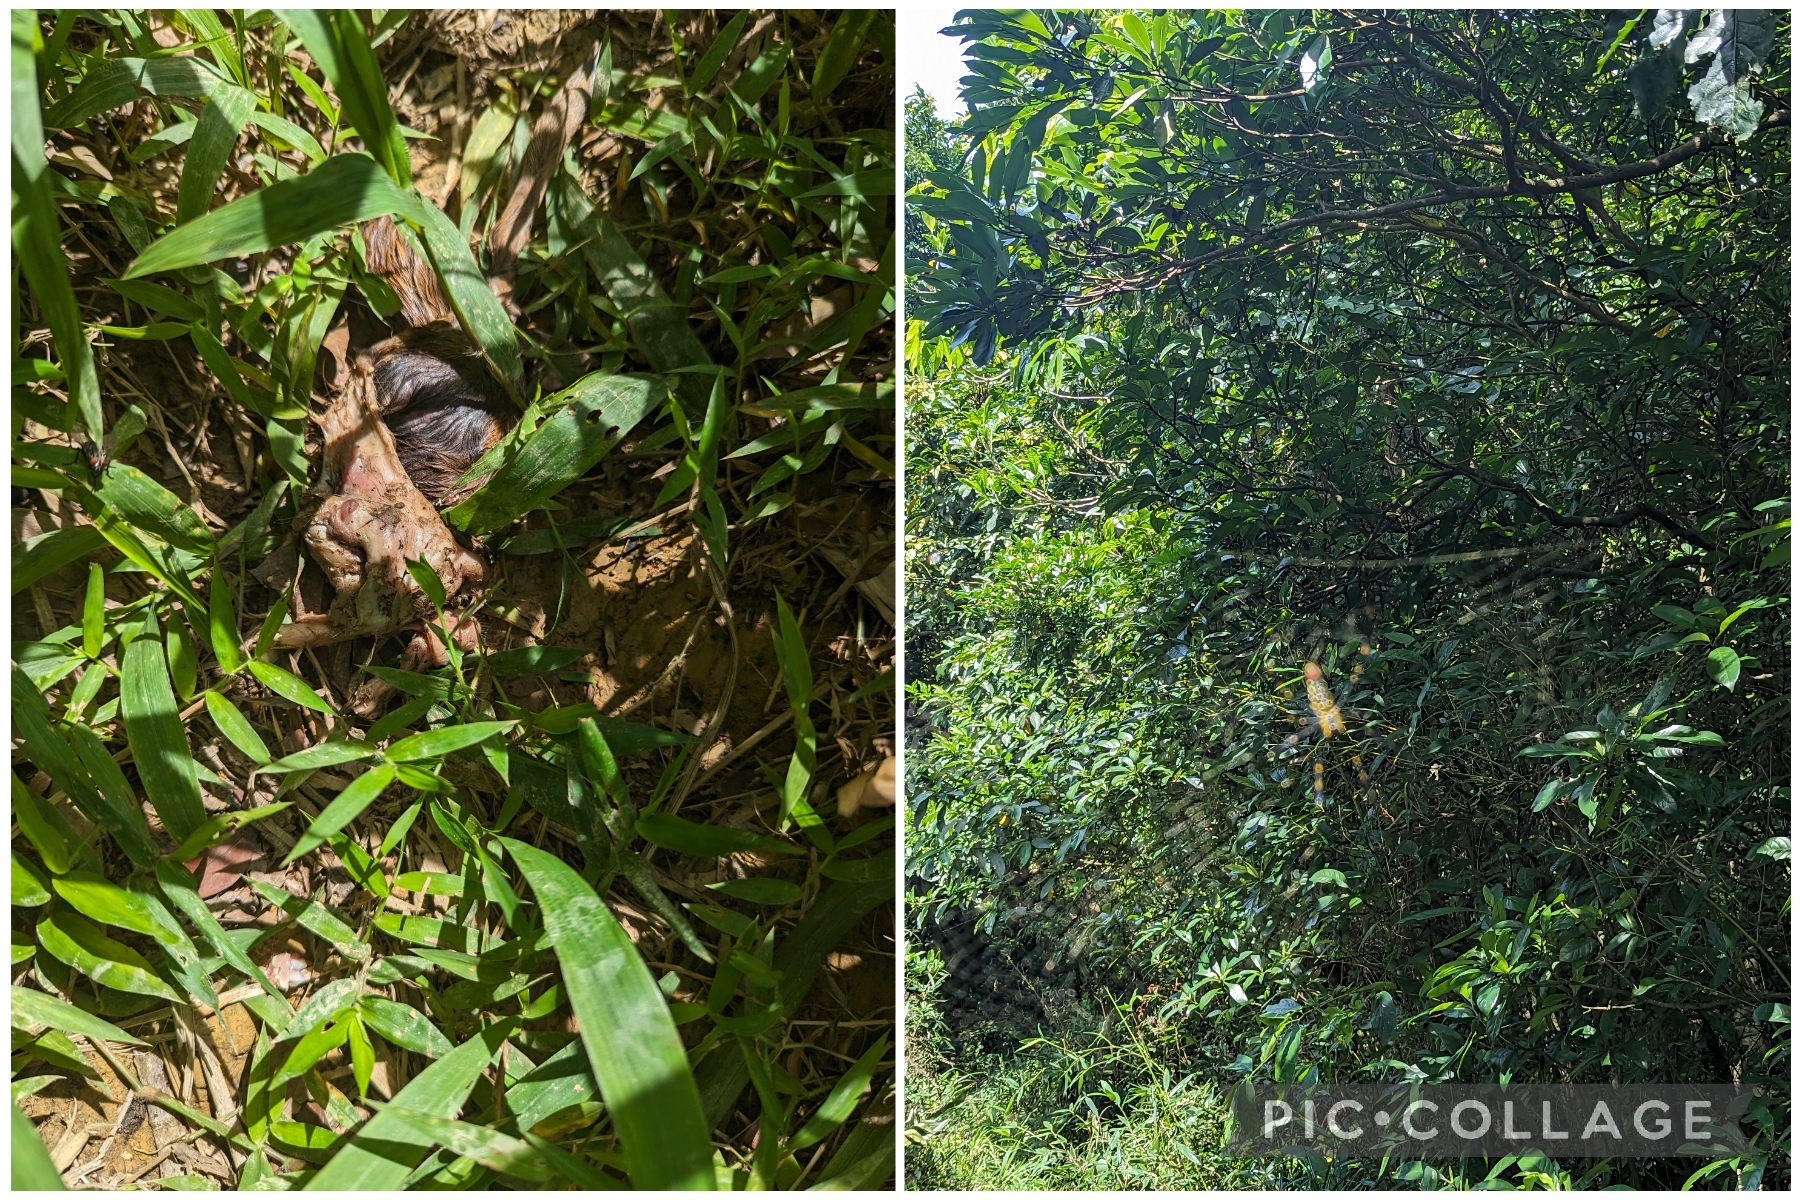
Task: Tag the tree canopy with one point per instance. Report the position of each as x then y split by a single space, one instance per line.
1447 352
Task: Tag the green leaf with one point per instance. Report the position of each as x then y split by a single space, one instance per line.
316 917
405 1027
760 891
437 743
215 134
153 508
35 559
325 754
381 1154
73 940
119 81
235 726
467 289
632 1043
32 1170
1775 849
348 805
339 44
842 1101
839 55
158 739
158 298
285 683
29 887
347 189
711 841
179 889
1724 666
532 660
494 1150
218 828
426 576
35 1008
585 421
723 44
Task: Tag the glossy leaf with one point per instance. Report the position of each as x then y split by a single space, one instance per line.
632 1045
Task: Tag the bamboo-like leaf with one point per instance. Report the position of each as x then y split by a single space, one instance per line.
436 743
119 81
839 55
48 552
712 841
218 828
842 1101
724 43
290 133
586 421
153 508
636 1054
37 234
31 1007
346 189
178 888
215 135
380 1155
339 44
157 298
124 815
290 685
404 1026
316 917
467 288
235 726
348 805
32 1170
492 1149
158 740
777 892
658 325
73 940
532 660
325 754
44 837
29 887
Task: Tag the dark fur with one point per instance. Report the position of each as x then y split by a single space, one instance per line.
437 396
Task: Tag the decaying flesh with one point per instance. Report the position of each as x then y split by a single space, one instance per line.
363 520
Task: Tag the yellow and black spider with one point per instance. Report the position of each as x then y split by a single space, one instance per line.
1323 714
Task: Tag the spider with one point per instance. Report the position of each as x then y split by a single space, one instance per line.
1323 714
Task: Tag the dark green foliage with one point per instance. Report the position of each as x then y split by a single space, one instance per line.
1399 331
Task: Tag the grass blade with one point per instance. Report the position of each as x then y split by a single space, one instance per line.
340 812
380 1155
35 559
436 743
842 1102
286 683
234 725
37 233
467 289
216 133
80 944
158 741
631 1041
119 81
840 51
588 420
337 41
348 188
35 1008
32 1170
